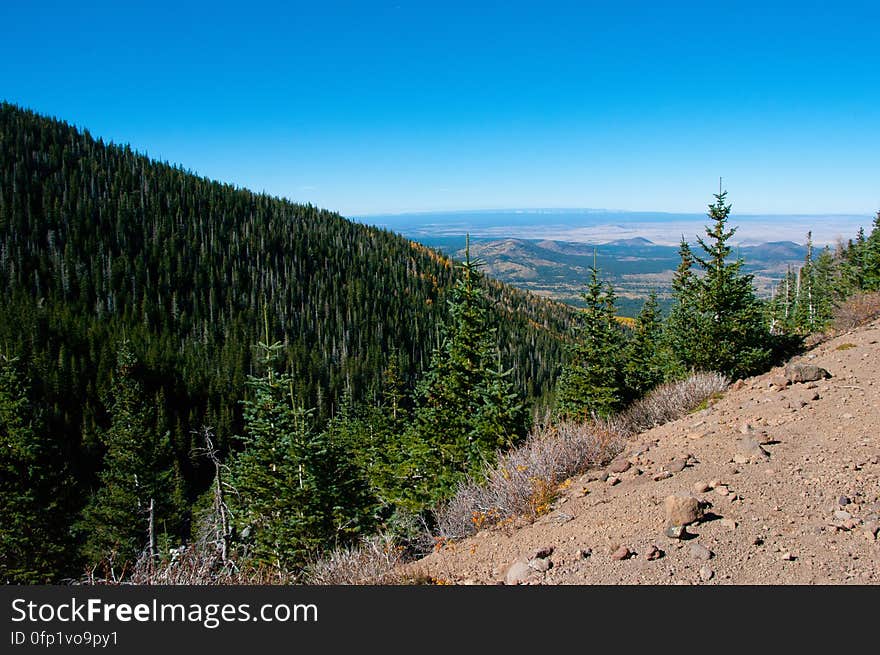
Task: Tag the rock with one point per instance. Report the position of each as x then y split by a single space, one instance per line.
728 524
518 573
586 553
682 509
787 557
780 381
750 448
663 475
619 466
700 487
677 465
706 573
621 553
746 428
542 553
541 564
700 552
612 480
843 501
805 373
722 490
740 459
675 531
872 527
842 515
736 386
653 553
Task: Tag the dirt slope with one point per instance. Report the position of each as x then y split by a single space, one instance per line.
803 511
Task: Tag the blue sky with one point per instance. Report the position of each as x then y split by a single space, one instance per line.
377 107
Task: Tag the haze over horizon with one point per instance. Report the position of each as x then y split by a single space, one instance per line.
384 107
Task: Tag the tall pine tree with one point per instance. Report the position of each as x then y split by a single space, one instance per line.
717 322
592 383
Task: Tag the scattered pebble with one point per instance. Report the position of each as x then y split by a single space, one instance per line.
621 553
663 475
699 551
706 573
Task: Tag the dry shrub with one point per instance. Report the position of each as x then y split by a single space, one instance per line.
524 480
193 564
668 402
374 561
856 310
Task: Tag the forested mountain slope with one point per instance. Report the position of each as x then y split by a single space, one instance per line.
99 243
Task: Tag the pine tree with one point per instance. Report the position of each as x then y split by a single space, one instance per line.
32 543
646 359
871 257
592 383
297 491
717 322
466 406
134 476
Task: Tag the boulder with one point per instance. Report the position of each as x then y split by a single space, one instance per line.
682 509
518 573
799 373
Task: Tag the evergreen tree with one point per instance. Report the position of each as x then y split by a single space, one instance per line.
135 478
466 405
32 542
717 322
871 257
592 382
646 359
297 491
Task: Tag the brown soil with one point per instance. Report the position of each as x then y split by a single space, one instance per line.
781 521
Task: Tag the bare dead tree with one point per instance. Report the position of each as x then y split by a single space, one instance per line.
221 525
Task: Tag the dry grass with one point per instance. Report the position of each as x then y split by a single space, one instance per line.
856 310
193 564
375 561
524 480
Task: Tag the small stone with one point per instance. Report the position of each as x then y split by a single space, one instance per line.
676 465
653 553
780 381
612 480
517 573
700 487
722 490
849 524
740 459
675 531
745 428
843 501
699 551
728 524
541 553
541 564
713 483
621 553
751 448
842 515
787 557
815 396
736 386
619 466
682 509
706 573
848 416
586 553
663 475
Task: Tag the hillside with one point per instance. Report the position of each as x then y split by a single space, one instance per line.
788 474
100 245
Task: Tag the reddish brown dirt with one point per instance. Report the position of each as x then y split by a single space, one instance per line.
775 525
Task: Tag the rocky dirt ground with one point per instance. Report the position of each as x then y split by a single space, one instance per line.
786 477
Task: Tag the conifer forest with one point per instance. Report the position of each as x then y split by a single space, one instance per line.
185 360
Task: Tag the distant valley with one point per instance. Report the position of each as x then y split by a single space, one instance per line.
549 252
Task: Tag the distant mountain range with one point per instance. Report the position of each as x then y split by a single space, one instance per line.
635 266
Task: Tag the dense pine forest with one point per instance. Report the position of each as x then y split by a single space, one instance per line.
103 250
185 362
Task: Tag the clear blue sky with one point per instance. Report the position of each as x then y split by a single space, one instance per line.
374 107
